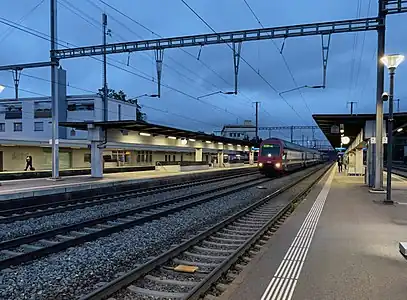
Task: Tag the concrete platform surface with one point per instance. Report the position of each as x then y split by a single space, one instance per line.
340 243
23 188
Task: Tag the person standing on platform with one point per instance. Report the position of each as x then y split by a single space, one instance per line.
339 163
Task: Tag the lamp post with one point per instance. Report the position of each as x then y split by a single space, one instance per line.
214 93
391 62
303 87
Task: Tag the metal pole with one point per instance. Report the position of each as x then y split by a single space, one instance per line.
398 104
379 103
257 120
105 103
292 134
54 91
16 82
390 137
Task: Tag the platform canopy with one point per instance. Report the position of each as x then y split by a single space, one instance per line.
155 129
353 124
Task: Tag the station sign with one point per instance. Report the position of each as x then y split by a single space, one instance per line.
373 140
255 149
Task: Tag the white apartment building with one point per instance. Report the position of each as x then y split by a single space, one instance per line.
30 118
235 131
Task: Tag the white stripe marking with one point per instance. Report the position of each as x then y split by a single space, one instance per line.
284 281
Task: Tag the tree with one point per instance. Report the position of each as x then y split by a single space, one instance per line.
120 95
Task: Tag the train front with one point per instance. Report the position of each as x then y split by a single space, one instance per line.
270 158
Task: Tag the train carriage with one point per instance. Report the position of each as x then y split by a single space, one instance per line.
277 156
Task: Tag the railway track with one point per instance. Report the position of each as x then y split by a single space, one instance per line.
30 247
189 269
34 211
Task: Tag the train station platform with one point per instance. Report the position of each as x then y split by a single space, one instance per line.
340 243
24 188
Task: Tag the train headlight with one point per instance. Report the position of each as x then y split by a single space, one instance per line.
278 165
260 165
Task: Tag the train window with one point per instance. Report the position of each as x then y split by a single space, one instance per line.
271 149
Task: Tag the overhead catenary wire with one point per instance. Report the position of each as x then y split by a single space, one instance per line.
79 11
244 60
30 12
144 76
181 49
282 56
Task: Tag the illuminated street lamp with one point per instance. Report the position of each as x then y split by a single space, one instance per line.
391 62
214 93
2 88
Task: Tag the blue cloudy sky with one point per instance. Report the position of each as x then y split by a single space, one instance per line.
351 67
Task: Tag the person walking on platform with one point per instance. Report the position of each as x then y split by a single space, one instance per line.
339 164
29 163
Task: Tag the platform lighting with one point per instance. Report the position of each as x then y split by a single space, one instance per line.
192 140
400 129
145 134
171 137
230 144
208 142
184 141
238 145
342 131
220 143
2 88
391 62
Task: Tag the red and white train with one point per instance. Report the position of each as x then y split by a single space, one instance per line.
278 156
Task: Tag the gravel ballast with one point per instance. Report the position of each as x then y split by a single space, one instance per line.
35 225
79 270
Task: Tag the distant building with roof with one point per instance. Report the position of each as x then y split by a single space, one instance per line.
245 131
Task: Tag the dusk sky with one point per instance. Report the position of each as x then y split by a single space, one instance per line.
351 72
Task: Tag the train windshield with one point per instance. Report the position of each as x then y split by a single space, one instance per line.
270 150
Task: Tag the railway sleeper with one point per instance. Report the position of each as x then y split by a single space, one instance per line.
226 241
220 245
194 263
205 256
154 293
226 252
233 236
170 281
30 248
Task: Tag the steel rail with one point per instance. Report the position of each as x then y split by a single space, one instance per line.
135 274
142 215
24 213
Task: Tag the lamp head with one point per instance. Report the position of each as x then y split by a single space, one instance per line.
392 61
1 88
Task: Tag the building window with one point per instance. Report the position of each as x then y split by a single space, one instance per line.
81 106
42 110
2 127
230 134
119 111
87 157
18 126
13 111
38 126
